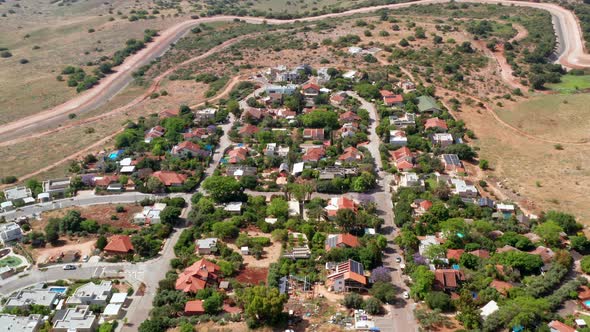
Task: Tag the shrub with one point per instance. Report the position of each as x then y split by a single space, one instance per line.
438 300
585 264
373 306
353 301
23 61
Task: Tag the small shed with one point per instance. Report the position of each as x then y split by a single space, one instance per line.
245 251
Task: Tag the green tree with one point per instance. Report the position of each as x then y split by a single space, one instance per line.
225 229
262 303
346 218
564 220
373 306
223 188
423 280
278 208
170 215
320 119
154 185
90 226
549 231
384 291
353 301
233 107
585 264
213 303
438 300
52 232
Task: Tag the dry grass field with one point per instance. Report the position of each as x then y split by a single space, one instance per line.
51 37
540 175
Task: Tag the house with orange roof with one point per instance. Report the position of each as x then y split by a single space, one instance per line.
315 134
403 159
393 100
481 253
341 241
198 276
314 154
237 155
436 123
196 133
310 90
155 132
169 114
194 307
386 93
340 203
501 286
346 276
338 98
252 114
105 181
455 254
349 116
119 245
447 279
421 206
248 130
170 178
557 326
189 149
351 154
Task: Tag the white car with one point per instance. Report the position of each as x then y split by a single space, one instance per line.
406 295
398 259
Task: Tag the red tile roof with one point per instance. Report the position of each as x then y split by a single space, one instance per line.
435 123
351 153
400 153
426 204
314 133
194 307
197 276
584 293
394 99
106 180
197 132
311 86
455 254
314 154
186 145
560 327
385 93
169 178
237 155
447 278
248 130
501 286
349 116
119 244
404 164
481 253
169 113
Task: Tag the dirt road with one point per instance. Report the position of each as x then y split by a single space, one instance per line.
567 28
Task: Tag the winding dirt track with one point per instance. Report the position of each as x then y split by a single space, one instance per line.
568 31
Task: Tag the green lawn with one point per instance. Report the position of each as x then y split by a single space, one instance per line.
10 261
571 83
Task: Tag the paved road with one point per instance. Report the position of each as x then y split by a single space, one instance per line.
36 209
567 28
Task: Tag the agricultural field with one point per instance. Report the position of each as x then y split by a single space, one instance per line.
571 84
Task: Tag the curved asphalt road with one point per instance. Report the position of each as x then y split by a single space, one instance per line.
570 54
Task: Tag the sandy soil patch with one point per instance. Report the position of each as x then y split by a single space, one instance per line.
48 254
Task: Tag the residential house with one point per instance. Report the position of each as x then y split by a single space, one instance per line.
273 98
489 309
298 168
486 202
206 246
408 86
119 245
189 149
454 254
340 203
92 293
149 215
411 180
238 171
349 116
30 323
341 241
155 132
408 119
427 104
25 298
106 182
501 286
436 123
427 241
16 193
442 139
237 155
233 207
252 114
310 90
353 75
398 138
507 210
314 134
170 178
194 307
421 206
10 232
481 253
284 113
288 89
248 130
338 98
201 274
448 279
314 154
196 133
391 99
403 159
205 115
464 189
351 154
557 326
545 253
77 319
348 130
346 276
452 163
169 114
56 187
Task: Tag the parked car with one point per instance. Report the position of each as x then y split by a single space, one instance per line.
85 258
406 295
398 259
69 267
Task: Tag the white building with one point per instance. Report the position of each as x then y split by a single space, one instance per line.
77 319
233 207
206 246
92 293
10 232
14 193
442 139
25 298
31 323
489 309
464 189
427 242
398 138
150 214
411 180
